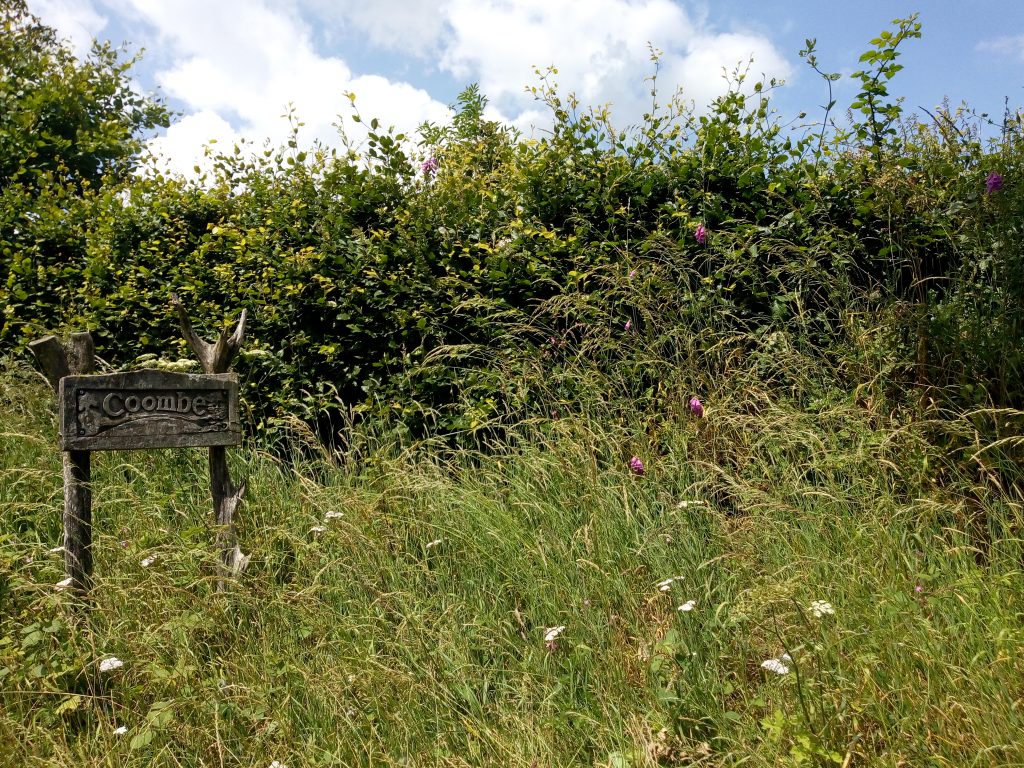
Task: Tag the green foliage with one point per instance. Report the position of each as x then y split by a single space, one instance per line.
880 116
70 134
63 120
416 284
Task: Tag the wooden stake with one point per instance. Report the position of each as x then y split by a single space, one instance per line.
58 361
216 358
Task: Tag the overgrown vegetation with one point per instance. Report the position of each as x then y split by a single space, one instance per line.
457 349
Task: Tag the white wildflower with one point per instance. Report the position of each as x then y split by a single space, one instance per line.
688 606
63 584
334 515
278 764
686 504
820 608
55 550
434 543
552 634
120 730
111 663
666 585
778 666
317 529
148 561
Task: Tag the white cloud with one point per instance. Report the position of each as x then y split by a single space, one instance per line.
75 20
180 149
236 65
600 48
1012 45
409 26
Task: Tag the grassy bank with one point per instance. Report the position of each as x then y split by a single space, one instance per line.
395 608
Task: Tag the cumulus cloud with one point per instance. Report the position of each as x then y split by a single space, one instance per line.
409 26
600 48
241 65
237 65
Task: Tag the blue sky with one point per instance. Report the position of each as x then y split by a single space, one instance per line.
230 67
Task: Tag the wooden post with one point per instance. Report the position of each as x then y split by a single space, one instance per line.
216 358
57 361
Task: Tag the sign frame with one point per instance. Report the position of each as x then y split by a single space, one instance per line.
148 409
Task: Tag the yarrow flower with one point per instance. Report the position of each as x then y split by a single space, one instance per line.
429 166
334 515
700 234
686 504
316 530
993 183
110 663
666 585
553 633
778 666
148 561
551 637
434 543
697 407
120 730
636 466
688 606
820 608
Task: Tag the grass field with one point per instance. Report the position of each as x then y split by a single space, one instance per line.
400 606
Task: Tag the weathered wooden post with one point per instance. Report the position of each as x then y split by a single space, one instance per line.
216 359
77 359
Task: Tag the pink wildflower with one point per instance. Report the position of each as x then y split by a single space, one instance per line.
628 326
696 408
700 234
993 183
636 466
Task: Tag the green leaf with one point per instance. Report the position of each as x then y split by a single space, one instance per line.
142 739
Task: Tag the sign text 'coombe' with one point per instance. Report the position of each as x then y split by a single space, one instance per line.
148 409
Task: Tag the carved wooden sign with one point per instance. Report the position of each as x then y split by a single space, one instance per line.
148 409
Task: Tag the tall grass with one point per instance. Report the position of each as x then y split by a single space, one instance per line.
411 629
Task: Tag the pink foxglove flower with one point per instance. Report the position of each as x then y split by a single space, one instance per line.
429 166
700 234
696 407
993 183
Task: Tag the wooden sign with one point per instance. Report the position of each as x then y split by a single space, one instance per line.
144 409
148 409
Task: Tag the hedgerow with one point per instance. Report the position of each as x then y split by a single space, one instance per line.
410 277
